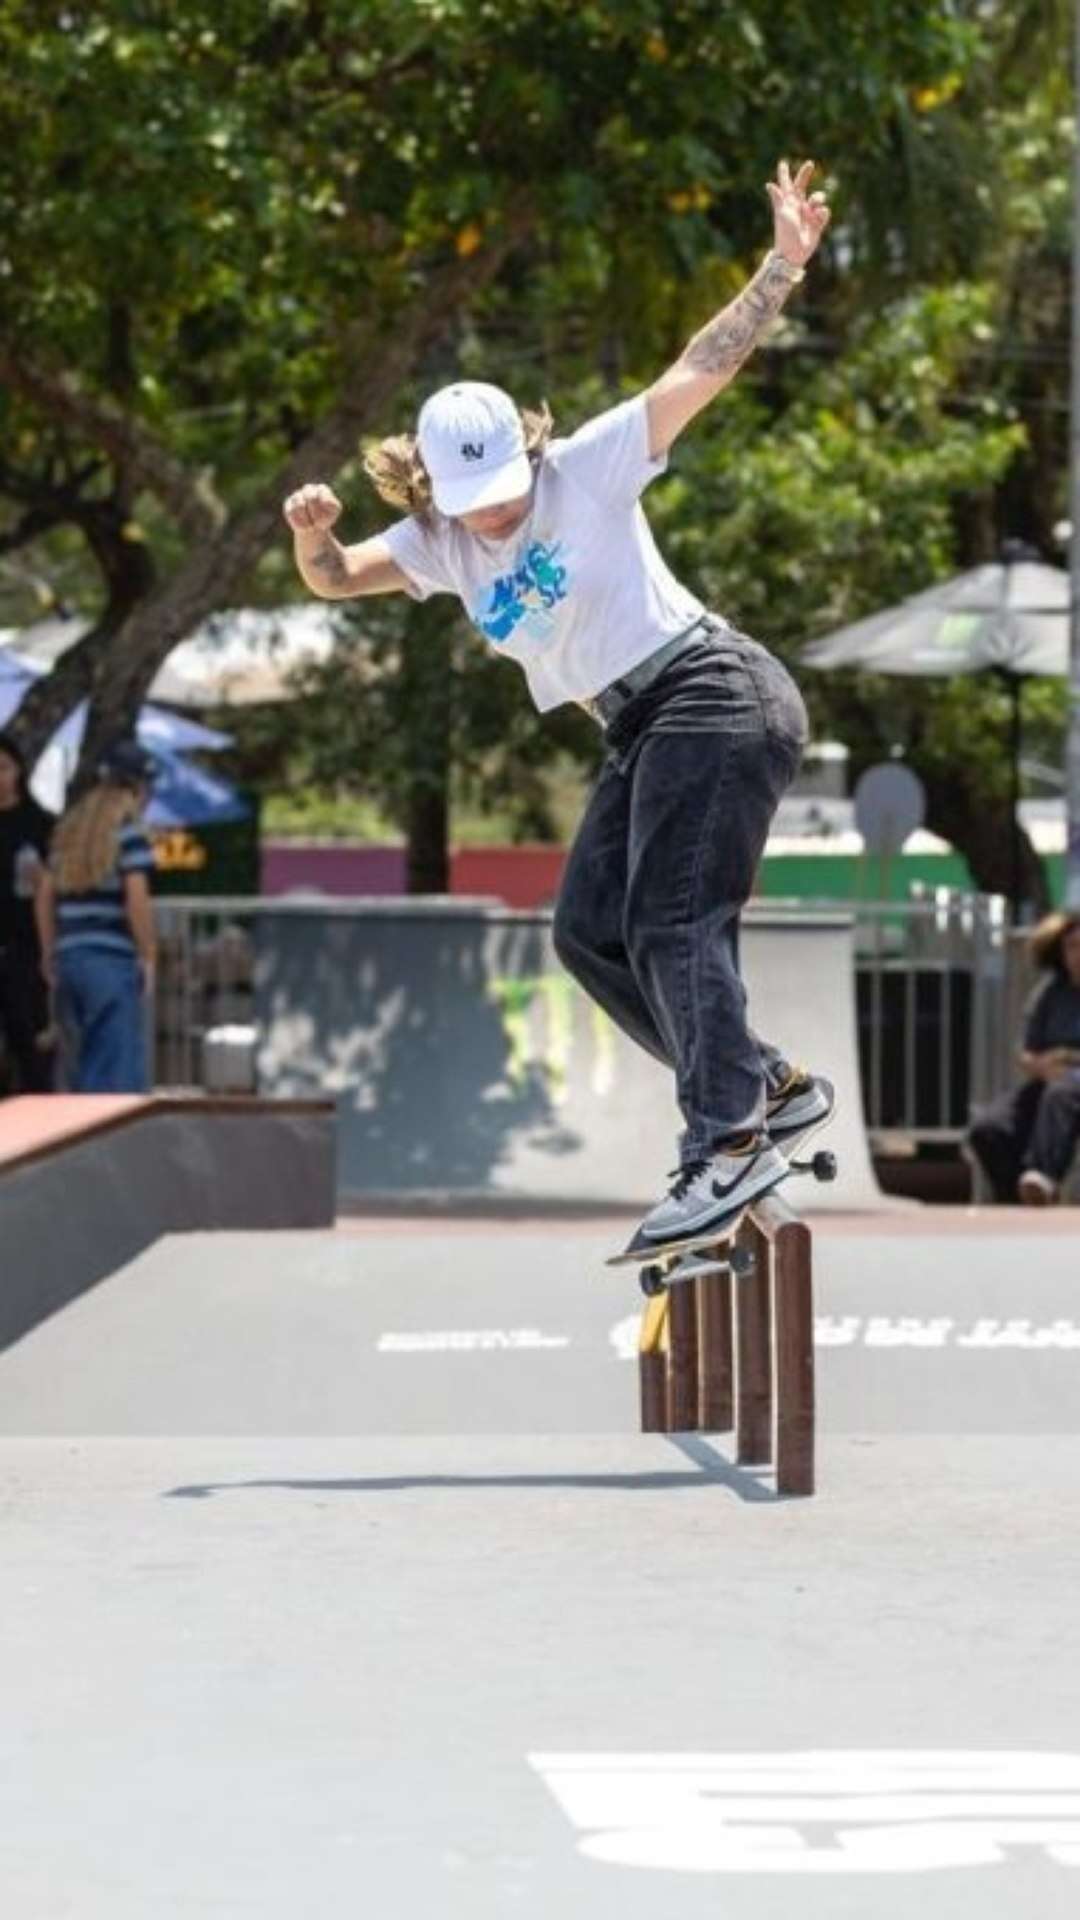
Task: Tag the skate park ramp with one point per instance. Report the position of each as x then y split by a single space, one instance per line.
467 1064
88 1180
336 1578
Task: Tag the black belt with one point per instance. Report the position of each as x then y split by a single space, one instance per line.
611 699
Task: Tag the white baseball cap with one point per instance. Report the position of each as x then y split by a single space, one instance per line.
473 446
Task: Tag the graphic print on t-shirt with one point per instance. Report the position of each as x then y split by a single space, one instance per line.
523 602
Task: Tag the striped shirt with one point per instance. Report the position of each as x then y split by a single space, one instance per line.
99 919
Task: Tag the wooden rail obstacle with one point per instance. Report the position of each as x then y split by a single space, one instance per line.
729 1353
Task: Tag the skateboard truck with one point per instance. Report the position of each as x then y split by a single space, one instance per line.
658 1275
821 1165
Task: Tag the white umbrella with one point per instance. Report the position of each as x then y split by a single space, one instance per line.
1010 617
247 657
243 657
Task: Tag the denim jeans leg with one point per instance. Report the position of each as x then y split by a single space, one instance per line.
701 809
589 920
103 1003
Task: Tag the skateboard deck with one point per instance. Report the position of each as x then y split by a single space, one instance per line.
712 1249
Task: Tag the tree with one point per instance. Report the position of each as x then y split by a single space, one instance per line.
233 234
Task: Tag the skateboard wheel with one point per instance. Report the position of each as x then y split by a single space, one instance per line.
652 1282
824 1166
741 1262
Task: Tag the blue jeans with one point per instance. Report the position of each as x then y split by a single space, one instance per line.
664 860
100 1002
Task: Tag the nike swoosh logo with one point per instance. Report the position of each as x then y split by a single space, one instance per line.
721 1193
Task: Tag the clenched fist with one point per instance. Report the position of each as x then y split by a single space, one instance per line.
312 509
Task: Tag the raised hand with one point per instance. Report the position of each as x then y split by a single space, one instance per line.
799 218
312 509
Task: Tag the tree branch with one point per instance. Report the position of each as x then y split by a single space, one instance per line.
123 663
333 440
35 522
60 395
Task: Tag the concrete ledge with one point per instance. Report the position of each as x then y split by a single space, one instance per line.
36 1124
76 1204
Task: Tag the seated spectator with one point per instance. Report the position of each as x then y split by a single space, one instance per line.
1026 1140
97 926
26 1032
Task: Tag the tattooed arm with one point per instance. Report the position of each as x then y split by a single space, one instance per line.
332 571
710 361
335 572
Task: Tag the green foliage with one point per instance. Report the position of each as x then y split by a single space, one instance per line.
799 519
243 181
212 214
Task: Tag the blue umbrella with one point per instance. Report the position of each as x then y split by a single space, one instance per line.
155 728
13 669
185 795
15 678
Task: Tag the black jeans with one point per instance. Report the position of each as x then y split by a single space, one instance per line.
1037 1125
664 861
24 1018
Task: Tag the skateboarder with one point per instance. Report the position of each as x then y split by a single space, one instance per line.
545 543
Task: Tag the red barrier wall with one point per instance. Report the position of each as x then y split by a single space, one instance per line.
519 876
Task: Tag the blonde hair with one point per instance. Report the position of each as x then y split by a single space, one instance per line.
85 842
398 473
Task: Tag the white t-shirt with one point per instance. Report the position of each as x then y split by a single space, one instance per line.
578 593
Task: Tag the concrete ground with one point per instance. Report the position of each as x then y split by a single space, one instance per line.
336 1579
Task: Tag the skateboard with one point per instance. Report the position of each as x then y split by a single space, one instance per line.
671 1263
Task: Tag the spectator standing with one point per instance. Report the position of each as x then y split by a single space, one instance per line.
1026 1140
25 1015
96 920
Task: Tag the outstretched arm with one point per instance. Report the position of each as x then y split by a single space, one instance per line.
710 361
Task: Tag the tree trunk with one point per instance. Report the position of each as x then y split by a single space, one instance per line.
427 717
427 853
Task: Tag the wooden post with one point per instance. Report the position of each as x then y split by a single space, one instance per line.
753 1332
685 1351
794 1308
714 1340
683 1377
653 1366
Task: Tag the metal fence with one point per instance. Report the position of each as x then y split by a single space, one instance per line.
939 985
205 982
932 987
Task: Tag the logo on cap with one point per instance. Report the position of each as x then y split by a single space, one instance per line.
472 451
